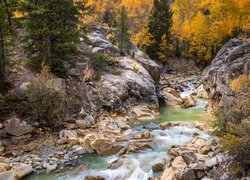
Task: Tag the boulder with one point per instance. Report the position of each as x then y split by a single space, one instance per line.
199 126
172 97
7 175
158 167
168 174
17 127
188 102
101 144
189 157
4 167
143 112
22 89
166 125
212 162
22 170
82 124
189 174
201 92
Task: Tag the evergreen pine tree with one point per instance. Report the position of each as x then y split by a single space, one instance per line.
123 36
160 22
109 17
6 35
52 31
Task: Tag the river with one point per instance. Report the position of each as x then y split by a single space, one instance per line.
138 166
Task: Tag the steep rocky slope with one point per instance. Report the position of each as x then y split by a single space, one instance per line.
231 61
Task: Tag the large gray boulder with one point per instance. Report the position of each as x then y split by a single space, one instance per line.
231 61
17 127
118 91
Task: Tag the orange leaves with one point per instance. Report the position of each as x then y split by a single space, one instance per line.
241 85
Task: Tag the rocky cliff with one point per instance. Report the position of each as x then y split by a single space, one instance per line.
231 61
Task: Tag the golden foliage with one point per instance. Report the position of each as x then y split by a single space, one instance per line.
241 85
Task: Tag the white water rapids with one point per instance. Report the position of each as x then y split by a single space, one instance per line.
138 166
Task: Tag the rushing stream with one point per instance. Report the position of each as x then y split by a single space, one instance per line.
138 166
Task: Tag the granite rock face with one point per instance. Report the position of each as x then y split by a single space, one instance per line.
231 61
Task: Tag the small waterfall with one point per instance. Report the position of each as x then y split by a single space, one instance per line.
188 89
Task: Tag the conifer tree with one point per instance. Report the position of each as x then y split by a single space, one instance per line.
109 17
6 35
123 35
160 22
52 31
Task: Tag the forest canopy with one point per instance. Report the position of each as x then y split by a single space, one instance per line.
200 27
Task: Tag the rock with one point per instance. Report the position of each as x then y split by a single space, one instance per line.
201 92
4 167
49 167
127 132
204 150
16 127
211 162
4 160
101 144
197 166
22 171
22 89
7 175
198 142
168 174
82 124
158 167
78 150
74 72
188 102
189 157
151 66
2 132
70 126
29 147
2 150
94 178
121 122
189 174
143 112
199 126
166 125
200 174
138 136
172 97
117 91
146 134
179 165
90 119
230 62
67 134
114 150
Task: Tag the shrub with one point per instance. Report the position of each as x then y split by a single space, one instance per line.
44 100
233 126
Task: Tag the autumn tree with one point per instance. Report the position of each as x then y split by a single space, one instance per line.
160 22
202 27
6 37
123 36
52 31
